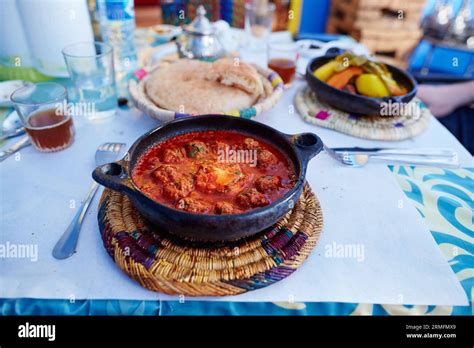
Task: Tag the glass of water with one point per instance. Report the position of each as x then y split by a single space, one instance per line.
91 68
258 22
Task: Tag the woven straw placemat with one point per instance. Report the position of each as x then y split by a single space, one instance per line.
272 83
162 263
368 127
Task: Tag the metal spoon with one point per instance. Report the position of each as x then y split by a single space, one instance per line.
66 245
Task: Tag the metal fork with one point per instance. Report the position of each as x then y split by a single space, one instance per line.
359 159
66 245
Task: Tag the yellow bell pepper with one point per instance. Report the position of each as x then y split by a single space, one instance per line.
371 85
325 71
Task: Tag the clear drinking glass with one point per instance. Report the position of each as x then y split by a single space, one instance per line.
283 58
258 21
43 110
91 68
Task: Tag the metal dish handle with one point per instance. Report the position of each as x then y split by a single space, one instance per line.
114 176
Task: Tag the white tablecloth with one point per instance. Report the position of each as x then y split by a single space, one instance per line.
363 207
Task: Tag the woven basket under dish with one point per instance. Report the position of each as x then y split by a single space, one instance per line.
368 127
162 263
273 91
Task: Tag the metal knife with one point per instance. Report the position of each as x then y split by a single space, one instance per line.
432 152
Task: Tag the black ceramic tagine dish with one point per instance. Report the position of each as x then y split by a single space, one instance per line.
355 103
298 149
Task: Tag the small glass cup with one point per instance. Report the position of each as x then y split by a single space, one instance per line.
283 58
258 22
91 69
43 110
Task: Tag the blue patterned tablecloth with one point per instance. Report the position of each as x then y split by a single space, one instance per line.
445 199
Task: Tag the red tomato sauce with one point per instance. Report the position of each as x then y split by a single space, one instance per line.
214 172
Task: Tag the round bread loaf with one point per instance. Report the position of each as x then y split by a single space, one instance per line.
194 87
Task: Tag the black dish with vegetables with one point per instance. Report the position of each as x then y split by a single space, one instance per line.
357 84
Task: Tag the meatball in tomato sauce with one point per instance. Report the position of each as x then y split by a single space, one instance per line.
175 184
267 183
251 198
173 155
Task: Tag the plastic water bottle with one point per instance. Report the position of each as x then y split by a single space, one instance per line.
117 26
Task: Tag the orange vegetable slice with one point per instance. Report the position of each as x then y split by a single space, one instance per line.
341 79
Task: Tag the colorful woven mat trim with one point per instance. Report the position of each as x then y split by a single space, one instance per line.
414 118
165 264
276 80
139 74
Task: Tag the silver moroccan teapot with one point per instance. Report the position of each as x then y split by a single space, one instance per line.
199 39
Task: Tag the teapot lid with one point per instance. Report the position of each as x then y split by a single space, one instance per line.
200 25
